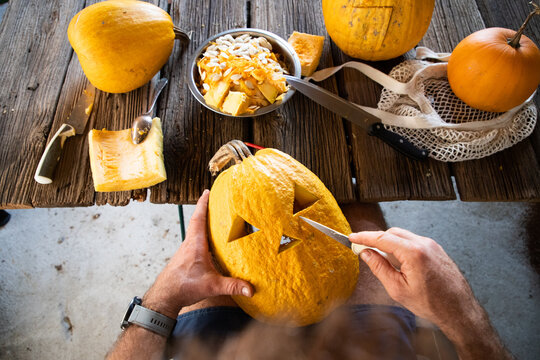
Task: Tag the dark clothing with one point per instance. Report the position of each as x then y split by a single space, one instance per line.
384 332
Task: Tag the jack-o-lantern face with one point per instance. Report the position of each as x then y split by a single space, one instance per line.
299 274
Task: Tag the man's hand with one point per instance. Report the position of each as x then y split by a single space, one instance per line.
190 276
431 286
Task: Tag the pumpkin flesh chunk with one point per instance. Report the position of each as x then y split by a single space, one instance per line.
309 49
119 165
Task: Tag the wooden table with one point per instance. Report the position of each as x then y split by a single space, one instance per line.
40 77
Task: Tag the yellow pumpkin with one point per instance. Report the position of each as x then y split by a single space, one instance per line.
377 29
495 69
121 44
299 274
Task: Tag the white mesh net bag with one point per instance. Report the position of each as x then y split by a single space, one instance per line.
418 103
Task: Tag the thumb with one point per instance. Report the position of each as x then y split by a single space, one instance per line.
232 286
380 267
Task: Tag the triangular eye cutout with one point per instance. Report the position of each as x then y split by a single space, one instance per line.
303 198
286 243
240 228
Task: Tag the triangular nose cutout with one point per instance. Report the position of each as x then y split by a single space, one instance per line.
287 242
303 198
240 228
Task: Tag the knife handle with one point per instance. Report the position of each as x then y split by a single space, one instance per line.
398 142
51 155
357 249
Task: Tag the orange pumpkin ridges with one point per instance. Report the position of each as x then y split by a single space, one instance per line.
255 234
495 69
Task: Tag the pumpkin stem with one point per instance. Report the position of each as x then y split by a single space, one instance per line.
514 42
182 35
233 150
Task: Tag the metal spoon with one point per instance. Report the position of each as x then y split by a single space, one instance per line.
143 123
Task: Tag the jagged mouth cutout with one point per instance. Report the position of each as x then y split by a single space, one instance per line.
303 199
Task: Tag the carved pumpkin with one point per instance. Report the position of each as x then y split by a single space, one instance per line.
122 44
299 274
495 69
377 29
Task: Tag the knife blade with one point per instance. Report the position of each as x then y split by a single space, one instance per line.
344 239
356 115
74 124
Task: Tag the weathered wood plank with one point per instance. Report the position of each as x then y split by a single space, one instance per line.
31 76
302 128
511 15
73 183
193 133
387 175
511 175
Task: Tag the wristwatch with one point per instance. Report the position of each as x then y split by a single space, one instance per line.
148 319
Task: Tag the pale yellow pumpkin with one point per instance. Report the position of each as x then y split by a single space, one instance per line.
299 274
121 44
119 165
377 29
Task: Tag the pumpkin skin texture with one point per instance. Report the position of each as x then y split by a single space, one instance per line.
377 29
486 73
121 44
297 284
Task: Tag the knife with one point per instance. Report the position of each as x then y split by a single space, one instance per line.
344 239
354 114
75 124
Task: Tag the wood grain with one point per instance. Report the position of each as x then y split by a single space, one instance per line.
311 134
386 174
41 80
31 76
511 175
193 133
73 179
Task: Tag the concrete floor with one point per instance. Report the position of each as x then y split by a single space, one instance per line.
67 275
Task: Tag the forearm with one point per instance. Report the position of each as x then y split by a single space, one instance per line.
473 336
138 343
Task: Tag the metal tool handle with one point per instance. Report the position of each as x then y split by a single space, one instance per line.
51 155
357 249
159 86
398 142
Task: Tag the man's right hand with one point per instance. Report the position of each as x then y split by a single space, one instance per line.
431 286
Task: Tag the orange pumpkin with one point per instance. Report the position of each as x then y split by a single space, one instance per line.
377 29
495 69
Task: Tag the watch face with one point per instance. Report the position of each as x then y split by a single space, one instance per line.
136 301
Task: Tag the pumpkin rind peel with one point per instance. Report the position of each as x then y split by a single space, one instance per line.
306 280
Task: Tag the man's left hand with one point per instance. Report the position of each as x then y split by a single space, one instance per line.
190 276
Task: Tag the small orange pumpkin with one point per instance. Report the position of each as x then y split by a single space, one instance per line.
495 69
